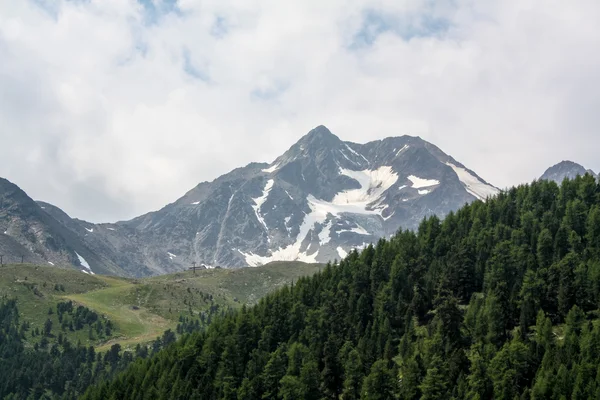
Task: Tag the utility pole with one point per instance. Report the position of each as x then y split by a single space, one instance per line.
194 267
22 259
1 259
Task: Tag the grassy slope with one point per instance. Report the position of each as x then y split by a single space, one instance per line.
33 287
141 309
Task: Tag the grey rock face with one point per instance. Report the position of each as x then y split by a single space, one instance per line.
28 233
316 202
565 169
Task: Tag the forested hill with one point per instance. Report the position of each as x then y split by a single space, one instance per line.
500 300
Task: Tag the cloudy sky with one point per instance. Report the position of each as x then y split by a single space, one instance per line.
112 108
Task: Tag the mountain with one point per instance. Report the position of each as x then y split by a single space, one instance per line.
112 244
29 234
565 169
315 203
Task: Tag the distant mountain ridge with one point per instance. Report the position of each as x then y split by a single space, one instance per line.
566 169
29 234
314 203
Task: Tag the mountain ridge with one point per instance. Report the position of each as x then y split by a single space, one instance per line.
308 177
317 201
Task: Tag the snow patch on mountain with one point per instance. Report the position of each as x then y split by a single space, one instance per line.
271 169
259 201
341 252
345 156
419 183
356 153
472 184
84 264
373 183
389 216
286 223
325 234
402 149
282 254
357 229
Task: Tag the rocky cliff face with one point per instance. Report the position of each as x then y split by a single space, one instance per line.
314 203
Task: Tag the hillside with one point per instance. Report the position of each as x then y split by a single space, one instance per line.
500 300
27 231
139 310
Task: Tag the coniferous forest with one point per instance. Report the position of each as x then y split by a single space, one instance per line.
53 367
59 370
499 300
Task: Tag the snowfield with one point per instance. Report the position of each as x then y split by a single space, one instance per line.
341 252
271 169
84 264
473 185
419 183
373 184
259 201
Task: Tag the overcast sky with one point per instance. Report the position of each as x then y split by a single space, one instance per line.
112 108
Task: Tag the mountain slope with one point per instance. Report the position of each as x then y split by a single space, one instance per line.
112 244
314 203
62 330
565 169
28 231
140 310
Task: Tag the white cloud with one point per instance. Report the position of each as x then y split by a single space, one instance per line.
129 106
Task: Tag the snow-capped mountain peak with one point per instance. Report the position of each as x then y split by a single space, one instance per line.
318 200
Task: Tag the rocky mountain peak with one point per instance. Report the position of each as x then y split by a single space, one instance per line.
320 135
316 202
565 169
317 145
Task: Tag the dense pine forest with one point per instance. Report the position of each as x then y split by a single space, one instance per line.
500 300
